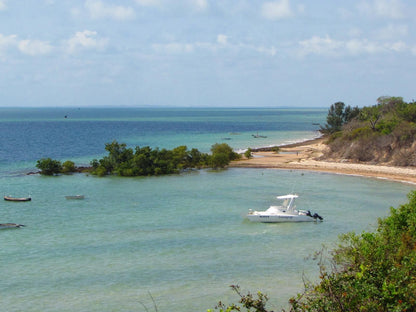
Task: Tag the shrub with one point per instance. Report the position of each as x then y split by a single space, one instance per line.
68 166
49 166
248 153
370 272
276 149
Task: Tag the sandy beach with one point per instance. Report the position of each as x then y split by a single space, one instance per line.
305 156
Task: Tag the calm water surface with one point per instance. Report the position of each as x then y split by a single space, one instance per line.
181 238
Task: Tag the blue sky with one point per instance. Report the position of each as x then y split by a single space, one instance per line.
228 53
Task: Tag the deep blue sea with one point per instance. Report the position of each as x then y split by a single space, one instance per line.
179 239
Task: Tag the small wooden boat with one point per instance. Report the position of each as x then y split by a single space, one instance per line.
17 199
10 226
75 197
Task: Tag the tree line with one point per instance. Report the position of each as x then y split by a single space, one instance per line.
145 161
381 133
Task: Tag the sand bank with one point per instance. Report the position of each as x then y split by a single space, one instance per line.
304 156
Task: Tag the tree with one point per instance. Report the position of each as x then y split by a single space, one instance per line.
49 166
335 117
224 148
338 115
372 114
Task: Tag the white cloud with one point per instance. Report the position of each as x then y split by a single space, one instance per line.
398 46
382 8
318 45
356 46
7 41
174 48
221 43
97 9
85 40
3 5
222 39
34 47
276 10
330 47
264 50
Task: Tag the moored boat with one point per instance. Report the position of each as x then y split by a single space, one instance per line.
4 226
75 197
17 199
286 212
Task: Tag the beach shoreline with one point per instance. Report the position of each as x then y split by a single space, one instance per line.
307 156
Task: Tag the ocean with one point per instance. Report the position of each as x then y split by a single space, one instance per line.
176 241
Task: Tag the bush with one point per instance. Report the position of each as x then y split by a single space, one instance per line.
276 149
49 166
370 272
68 167
248 153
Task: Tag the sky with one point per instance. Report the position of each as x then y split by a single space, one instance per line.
206 53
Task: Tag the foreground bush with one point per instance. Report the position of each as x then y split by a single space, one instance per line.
367 272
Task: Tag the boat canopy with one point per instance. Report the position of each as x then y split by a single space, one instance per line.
289 196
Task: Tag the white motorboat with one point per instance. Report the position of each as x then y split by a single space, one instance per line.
286 212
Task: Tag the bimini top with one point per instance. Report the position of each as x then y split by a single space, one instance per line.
289 196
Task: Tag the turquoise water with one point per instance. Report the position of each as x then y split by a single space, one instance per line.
181 239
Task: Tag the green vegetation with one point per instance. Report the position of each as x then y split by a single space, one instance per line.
48 166
145 161
276 149
68 167
248 153
383 133
338 115
366 272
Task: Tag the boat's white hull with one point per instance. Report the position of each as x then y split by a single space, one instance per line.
279 218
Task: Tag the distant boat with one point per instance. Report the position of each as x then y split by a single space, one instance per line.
258 136
4 226
75 197
17 199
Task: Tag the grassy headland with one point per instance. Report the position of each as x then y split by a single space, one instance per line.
376 141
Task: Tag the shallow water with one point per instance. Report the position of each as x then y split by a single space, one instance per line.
180 238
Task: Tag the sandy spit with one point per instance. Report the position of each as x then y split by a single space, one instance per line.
305 155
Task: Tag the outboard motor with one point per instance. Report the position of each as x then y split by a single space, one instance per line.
316 216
